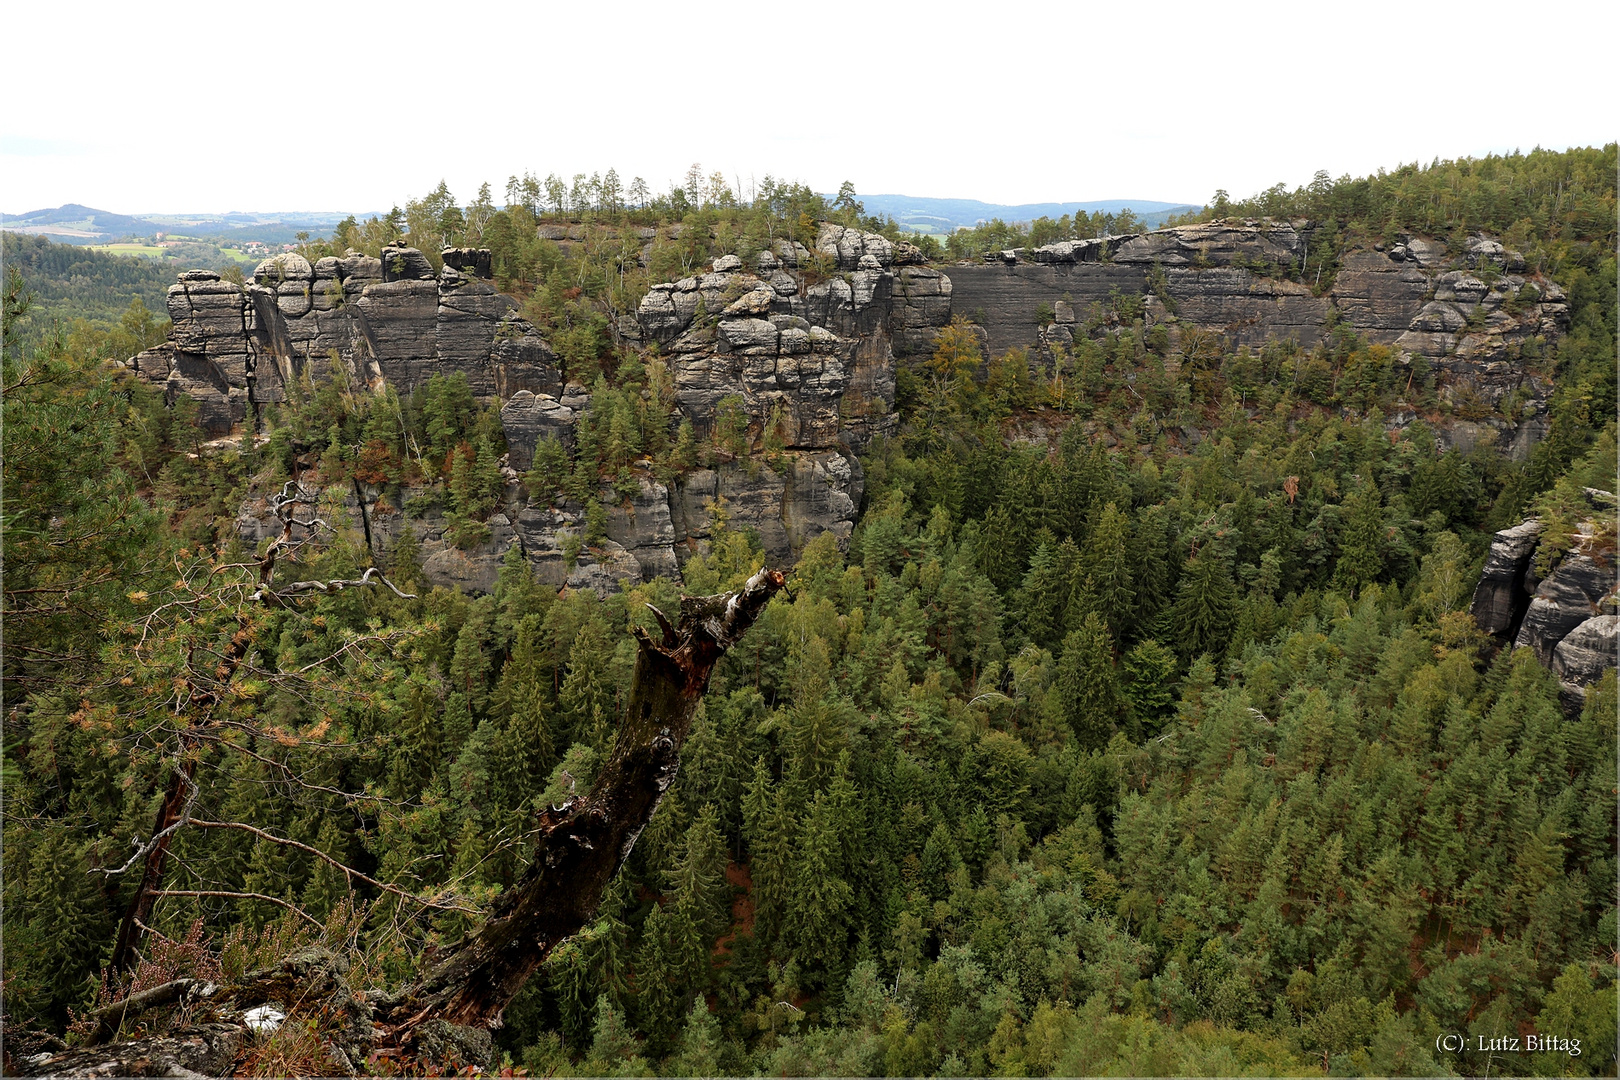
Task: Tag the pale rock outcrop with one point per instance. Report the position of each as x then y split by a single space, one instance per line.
1579 587
1500 597
1568 618
813 493
391 320
817 353
1580 659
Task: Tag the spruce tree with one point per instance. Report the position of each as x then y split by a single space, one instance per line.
585 704
1206 606
819 907
659 987
1087 685
1105 563
469 665
1361 549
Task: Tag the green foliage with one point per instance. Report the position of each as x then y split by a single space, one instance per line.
1106 755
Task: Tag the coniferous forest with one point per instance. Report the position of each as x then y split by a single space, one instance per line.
1160 743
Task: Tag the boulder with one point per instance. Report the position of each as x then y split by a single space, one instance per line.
474 262
1579 587
401 263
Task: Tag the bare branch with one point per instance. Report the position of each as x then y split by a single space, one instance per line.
300 912
348 871
142 850
335 585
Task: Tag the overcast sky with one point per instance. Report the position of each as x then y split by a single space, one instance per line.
183 107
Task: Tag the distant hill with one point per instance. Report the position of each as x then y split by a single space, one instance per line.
924 214
71 282
74 222
78 224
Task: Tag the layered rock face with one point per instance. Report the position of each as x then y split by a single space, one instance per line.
382 320
640 545
801 340
801 344
805 340
1472 314
1570 617
651 534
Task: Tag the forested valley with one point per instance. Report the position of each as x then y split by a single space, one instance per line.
1159 742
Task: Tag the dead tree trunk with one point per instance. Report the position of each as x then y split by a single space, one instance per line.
583 843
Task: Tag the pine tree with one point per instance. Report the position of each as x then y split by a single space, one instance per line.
487 483
1149 671
67 931
1044 595
404 559
469 666
697 880
1152 570
585 704
819 908
658 984
770 831
418 747
697 1052
549 471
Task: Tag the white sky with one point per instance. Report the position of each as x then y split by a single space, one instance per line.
188 107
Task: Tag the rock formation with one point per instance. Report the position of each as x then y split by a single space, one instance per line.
1570 617
804 344
382 320
807 337
1472 315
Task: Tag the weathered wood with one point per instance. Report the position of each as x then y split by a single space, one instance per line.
583 843
109 1018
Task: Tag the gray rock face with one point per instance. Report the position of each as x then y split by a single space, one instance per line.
381 516
207 356
1570 617
528 419
1585 652
1473 316
1218 243
1581 586
1500 598
818 354
814 493
401 263
640 545
389 320
474 262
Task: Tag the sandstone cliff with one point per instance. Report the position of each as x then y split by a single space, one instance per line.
809 336
1570 617
382 320
807 340
1474 315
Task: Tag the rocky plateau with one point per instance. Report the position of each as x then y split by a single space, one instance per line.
805 341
